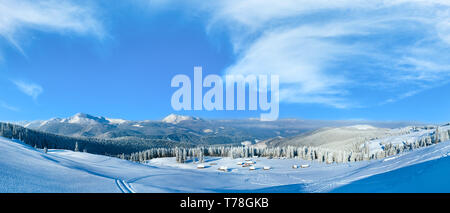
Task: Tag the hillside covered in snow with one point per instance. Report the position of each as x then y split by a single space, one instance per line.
26 169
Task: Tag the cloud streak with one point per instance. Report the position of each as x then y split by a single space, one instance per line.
329 52
31 89
8 107
323 52
18 16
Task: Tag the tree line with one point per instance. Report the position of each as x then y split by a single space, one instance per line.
358 153
110 147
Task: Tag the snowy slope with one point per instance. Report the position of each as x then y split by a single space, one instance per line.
336 138
24 169
428 177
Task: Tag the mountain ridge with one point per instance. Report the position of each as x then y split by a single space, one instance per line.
189 129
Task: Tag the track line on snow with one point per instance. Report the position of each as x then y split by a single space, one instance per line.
124 186
119 185
127 186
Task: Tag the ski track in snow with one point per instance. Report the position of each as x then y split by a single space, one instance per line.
124 186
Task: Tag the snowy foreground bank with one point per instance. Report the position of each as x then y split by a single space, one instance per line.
25 169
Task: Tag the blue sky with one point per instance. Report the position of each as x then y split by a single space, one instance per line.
363 59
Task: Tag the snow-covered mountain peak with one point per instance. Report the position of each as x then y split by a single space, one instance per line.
77 119
363 127
82 118
116 120
82 115
174 118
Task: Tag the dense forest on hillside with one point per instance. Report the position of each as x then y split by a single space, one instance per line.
125 145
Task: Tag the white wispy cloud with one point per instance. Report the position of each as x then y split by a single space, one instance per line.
18 16
31 89
297 56
325 51
8 107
